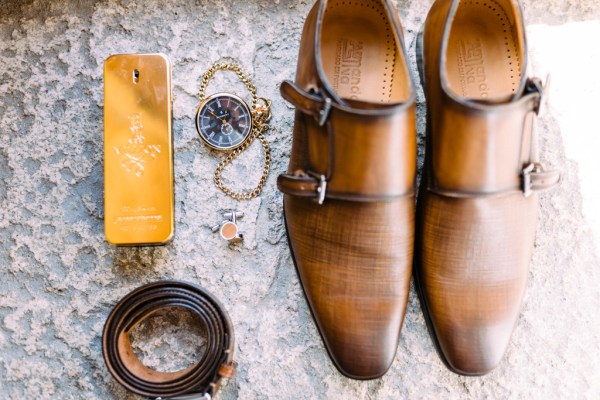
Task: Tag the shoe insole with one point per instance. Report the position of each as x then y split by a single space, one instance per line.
360 53
483 60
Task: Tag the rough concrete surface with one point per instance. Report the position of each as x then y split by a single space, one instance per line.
59 278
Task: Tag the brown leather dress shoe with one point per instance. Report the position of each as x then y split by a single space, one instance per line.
478 201
349 190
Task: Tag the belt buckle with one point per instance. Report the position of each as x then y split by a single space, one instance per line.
191 396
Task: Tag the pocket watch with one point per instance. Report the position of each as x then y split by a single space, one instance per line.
226 122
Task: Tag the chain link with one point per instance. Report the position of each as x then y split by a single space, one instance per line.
261 115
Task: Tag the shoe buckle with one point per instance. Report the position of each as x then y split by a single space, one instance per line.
543 90
324 112
526 174
322 186
322 189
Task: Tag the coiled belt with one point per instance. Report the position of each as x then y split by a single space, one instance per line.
203 377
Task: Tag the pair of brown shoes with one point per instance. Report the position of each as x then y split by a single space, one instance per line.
349 194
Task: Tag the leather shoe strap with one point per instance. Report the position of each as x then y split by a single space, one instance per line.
302 184
312 186
204 377
544 180
298 184
311 104
370 148
535 178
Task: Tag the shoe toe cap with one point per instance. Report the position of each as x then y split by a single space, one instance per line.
361 335
475 351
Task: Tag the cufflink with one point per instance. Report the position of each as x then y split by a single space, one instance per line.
228 229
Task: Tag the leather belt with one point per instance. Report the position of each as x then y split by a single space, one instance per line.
204 377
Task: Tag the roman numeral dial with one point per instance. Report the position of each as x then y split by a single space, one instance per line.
224 121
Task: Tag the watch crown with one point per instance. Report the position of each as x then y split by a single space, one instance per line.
263 111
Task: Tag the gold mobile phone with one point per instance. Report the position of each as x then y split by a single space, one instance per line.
138 150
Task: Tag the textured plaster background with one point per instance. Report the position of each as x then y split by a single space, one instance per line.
59 279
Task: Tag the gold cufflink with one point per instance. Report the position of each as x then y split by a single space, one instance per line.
229 229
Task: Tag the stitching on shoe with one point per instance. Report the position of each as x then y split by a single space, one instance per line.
509 40
391 48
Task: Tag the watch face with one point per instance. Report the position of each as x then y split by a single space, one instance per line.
223 121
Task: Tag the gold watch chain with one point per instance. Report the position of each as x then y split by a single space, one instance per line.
261 114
